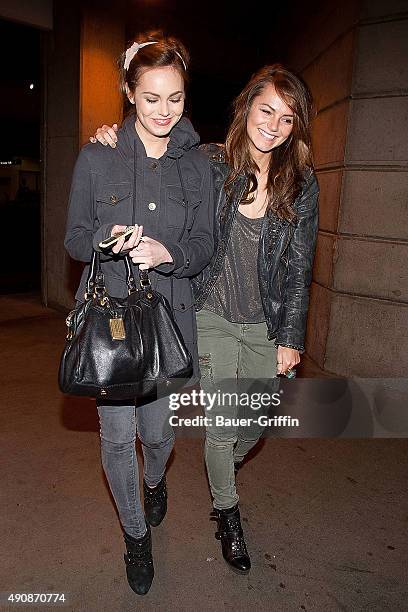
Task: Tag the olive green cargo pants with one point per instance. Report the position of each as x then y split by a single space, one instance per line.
238 358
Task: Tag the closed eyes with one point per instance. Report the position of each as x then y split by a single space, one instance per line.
154 101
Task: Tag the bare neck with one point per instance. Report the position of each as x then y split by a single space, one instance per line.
154 146
261 159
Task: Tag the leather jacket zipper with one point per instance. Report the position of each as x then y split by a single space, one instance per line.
285 261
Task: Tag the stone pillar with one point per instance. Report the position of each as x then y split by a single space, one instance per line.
80 93
60 149
357 70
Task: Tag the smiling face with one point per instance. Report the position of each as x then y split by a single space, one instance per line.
159 101
269 122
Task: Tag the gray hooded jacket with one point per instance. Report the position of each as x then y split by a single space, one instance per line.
123 186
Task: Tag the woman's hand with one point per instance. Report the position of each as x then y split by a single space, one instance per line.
150 253
131 242
287 359
106 135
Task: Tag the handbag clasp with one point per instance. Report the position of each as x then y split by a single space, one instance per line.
69 324
144 279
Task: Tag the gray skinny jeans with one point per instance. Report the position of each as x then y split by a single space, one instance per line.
118 427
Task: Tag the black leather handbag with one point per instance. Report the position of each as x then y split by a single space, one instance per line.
123 348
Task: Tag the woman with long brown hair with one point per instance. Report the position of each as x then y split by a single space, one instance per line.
256 287
255 290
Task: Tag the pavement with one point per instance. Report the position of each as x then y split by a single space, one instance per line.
325 519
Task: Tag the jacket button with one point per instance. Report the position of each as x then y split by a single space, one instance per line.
154 165
113 199
152 206
182 306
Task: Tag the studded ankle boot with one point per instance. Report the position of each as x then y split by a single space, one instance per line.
232 539
155 502
139 562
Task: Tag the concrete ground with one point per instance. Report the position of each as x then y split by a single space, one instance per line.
325 520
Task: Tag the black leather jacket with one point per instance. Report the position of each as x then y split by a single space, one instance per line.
285 256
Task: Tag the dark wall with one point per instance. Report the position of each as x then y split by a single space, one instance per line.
20 50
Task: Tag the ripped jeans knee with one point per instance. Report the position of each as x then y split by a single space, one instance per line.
206 369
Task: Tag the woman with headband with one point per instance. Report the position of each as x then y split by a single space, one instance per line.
252 299
159 181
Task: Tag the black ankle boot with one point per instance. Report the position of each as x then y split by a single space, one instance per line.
139 562
232 539
155 502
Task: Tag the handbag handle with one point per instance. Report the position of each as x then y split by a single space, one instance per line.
95 283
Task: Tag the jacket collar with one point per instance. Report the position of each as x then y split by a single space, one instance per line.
182 138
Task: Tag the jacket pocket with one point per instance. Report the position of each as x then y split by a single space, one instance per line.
183 299
176 207
112 194
113 203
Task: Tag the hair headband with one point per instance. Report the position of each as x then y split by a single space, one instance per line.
133 49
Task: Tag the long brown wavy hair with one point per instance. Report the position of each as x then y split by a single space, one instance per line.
291 159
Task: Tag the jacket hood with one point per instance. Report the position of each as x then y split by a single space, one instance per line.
182 137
